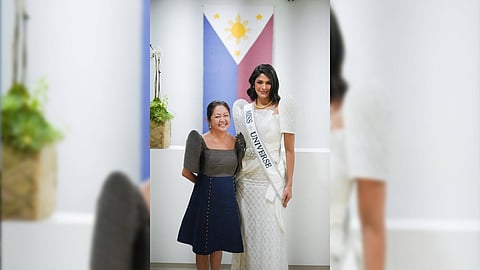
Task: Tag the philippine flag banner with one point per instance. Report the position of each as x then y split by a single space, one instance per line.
235 40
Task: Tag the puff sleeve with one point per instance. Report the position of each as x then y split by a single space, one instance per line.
367 125
238 116
193 152
287 111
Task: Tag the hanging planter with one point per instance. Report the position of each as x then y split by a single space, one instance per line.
160 117
29 159
160 124
29 183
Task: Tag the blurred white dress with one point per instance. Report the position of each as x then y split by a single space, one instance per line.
358 150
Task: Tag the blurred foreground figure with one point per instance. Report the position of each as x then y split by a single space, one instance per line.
121 237
359 138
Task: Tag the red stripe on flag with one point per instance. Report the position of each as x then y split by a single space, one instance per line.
260 53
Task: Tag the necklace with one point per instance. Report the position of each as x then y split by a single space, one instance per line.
263 106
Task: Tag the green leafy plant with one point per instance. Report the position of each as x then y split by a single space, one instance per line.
158 106
158 110
24 126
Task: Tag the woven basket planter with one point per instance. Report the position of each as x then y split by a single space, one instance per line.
160 134
29 183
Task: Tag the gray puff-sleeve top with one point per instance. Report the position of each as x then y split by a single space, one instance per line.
200 159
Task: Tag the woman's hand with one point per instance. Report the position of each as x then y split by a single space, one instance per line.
287 195
189 175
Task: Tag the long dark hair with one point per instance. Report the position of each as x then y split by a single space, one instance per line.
338 86
269 71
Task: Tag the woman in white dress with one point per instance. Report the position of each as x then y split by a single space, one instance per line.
358 140
264 184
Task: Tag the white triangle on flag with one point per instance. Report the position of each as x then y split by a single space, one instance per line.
238 26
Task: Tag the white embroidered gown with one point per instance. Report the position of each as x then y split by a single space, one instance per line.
263 230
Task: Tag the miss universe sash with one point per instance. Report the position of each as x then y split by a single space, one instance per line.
274 176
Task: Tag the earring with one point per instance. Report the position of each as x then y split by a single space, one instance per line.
209 126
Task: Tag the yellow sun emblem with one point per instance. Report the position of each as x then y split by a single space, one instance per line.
238 29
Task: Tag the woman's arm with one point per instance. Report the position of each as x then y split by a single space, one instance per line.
189 175
289 142
145 191
371 206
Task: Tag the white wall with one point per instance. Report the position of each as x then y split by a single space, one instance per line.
426 53
419 245
300 56
89 53
58 243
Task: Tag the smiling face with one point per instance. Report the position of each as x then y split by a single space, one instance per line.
220 119
262 87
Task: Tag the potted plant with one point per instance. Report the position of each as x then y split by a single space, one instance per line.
160 117
29 159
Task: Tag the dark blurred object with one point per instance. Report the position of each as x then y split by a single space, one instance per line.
121 237
338 86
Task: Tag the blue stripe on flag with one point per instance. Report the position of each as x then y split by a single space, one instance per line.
219 72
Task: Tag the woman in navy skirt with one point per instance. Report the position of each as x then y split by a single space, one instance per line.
211 222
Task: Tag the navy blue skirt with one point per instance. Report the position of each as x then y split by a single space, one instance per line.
212 220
